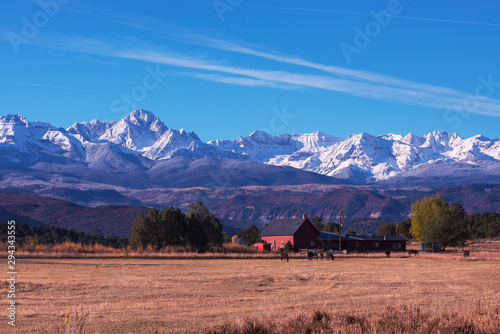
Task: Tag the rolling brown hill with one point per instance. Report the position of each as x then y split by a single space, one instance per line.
32 209
364 207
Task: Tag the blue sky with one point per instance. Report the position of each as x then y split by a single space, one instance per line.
225 68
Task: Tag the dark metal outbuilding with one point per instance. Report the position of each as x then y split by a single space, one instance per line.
330 240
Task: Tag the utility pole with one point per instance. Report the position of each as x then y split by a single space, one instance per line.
340 228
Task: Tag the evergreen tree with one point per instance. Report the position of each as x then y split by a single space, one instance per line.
195 234
317 222
331 227
387 229
211 225
173 226
159 229
251 235
403 228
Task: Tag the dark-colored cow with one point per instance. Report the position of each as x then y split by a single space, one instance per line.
412 251
312 255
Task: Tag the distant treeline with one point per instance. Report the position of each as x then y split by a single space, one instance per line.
170 227
199 229
483 225
51 235
477 226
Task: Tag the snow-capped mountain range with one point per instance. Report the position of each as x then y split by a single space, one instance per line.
359 158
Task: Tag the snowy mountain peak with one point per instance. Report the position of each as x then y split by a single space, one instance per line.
141 113
481 138
437 140
360 136
361 157
144 118
89 131
260 135
95 122
316 134
13 119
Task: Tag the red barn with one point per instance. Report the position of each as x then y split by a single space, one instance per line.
300 232
262 247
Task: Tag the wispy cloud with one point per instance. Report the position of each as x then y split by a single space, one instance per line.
341 72
188 37
330 11
240 81
332 78
46 86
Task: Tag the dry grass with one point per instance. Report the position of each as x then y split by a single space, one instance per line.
74 250
484 249
479 250
408 320
127 295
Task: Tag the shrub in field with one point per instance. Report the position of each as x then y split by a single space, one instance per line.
405 319
74 323
232 248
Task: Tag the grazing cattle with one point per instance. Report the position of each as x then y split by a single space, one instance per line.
412 251
312 255
284 256
387 253
466 253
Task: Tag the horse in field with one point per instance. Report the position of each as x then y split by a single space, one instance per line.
412 251
466 253
388 253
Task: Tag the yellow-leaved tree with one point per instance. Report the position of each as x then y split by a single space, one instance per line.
434 220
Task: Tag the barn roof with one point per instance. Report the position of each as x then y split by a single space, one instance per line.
282 227
381 238
334 236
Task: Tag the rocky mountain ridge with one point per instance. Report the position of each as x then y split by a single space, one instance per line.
141 141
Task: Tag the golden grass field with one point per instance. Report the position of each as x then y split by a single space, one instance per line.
134 295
